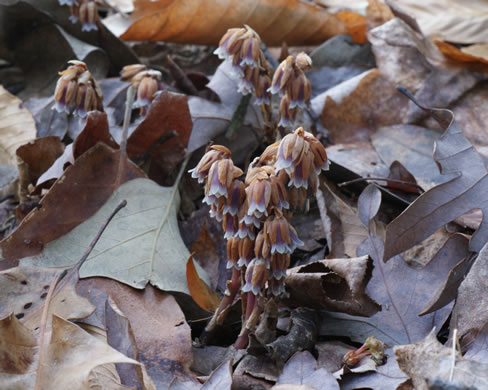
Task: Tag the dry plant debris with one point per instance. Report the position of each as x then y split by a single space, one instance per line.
278 273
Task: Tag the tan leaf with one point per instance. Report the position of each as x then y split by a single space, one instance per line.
17 126
296 22
70 356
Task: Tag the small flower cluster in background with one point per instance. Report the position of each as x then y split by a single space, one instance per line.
295 89
84 11
145 81
255 214
242 46
77 92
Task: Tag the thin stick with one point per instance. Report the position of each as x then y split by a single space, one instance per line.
42 329
453 354
346 183
125 133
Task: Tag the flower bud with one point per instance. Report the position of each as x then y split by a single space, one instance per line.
230 43
236 198
88 15
256 277
250 50
258 195
300 91
246 252
232 252
303 61
276 287
230 225
261 90
216 152
220 177
291 150
129 71
279 263
287 114
282 75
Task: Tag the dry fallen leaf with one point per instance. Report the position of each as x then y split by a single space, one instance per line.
70 356
201 293
161 334
142 244
428 363
333 284
17 126
295 22
77 200
468 315
302 369
463 190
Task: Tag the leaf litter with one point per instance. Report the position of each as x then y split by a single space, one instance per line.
140 287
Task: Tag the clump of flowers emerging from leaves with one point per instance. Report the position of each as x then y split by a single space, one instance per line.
84 11
77 92
372 347
145 81
255 215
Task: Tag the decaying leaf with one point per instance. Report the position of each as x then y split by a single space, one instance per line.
293 22
302 369
66 364
17 126
142 245
161 334
221 378
463 190
428 363
24 291
369 203
201 293
334 284
79 193
469 316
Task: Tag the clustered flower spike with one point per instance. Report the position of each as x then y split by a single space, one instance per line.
242 47
290 81
255 213
84 11
145 81
77 91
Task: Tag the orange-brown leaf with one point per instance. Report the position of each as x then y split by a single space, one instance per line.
456 54
295 22
203 295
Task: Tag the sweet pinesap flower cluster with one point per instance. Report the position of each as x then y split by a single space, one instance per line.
84 11
242 46
255 214
144 80
77 92
295 89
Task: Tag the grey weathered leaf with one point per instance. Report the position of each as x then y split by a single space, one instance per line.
221 378
141 245
469 315
428 363
369 203
463 191
301 369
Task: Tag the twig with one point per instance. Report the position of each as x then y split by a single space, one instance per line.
346 183
42 329
453 354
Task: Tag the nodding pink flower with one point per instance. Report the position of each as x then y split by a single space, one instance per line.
280 235
282 75
279 264
256 277
258 195
230 225
88 15
261 90
320 161
279 195
248 80
235 199
288 115
291 150
262 247
230 43
232 252
301 174
276 287
300 91
220 177
246 252
246 231
216 208
216 152
147 84
250 50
